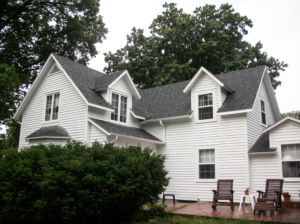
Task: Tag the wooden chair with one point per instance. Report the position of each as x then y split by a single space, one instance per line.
272 194
224 192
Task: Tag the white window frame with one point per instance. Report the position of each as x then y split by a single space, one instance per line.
197 155
262 100
44 107
279 149
214 105
119 107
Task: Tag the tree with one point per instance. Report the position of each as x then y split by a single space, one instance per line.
9 84
181 43
32 29
295 114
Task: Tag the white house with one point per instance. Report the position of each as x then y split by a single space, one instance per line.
226 126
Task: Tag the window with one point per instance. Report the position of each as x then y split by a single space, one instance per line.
52 106
263 112
207 164
205 110
291 160
120 105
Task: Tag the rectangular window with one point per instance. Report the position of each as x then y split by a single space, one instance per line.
52 107
115 104
207 164
263 112
291 160
205 106
120 105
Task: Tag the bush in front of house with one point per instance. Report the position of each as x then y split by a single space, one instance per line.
77 183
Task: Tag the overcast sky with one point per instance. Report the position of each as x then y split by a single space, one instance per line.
275 24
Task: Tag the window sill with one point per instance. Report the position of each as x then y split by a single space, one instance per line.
205 121
296 179
50 122
206 181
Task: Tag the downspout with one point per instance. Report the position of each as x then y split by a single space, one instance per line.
164 130
114 140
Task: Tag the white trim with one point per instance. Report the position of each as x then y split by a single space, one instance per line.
280 122
164 130
141 139
262 153
127 96
100 107
197 76
205 147
136 92
261 123
100 128
258 90
136 116
248 182
235 112
165 119
45 104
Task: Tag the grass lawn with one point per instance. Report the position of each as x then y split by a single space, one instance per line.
178 219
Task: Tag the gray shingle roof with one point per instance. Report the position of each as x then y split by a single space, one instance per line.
124 130
84 78
50 131
102 82
262 144
170 101
163 101
245 84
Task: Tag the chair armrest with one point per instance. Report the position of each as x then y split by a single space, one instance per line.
231 191
260 194
215 192
278 192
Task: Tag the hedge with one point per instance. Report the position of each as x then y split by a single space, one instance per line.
77 183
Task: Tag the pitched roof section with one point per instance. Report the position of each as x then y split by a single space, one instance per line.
163 101
262 144
84 78
245 84
49 132
122 130
102 82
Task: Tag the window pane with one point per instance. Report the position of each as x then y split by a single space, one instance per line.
205 113
205 100
207 156
263 118
291 169
123 109
48 108
290 152
262 103
55 107
115 104
207 171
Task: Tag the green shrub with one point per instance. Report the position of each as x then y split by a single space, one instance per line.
76 183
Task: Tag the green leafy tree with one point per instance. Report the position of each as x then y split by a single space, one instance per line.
32 29
9 97
295 114
181 43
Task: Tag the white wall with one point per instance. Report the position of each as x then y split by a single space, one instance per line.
255 127
185 137
72 109
155 129
96 135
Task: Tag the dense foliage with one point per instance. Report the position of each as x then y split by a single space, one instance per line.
181 43
295 114
32 29
76 183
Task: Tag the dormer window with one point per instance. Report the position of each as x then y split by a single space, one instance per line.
263 112
205 106
52 106
120 105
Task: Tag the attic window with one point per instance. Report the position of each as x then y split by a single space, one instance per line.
263 112
55 69
205 106
52 106
120 105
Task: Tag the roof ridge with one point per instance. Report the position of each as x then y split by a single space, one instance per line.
225 73
79 64
164 85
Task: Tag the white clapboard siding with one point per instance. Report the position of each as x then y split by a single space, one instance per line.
96 135
155 129
255 127
72 109
184 137
121 87
122 141
98 113
223 95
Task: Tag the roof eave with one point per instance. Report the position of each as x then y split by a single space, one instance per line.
140 139
280 122
234 112
48 137
263 153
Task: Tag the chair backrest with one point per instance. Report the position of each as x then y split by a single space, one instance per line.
273 185
224 187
